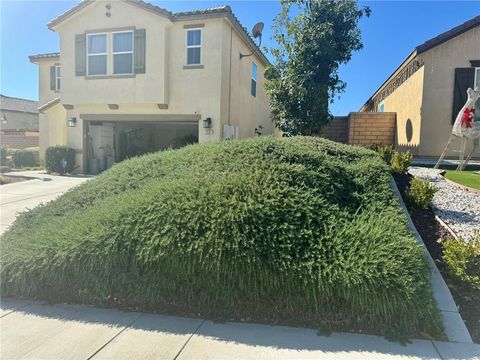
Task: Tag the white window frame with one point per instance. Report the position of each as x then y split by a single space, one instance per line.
477 75
57 77
97 54
477 103
253 78
122 52
193 46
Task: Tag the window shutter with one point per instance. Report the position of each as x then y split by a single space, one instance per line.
52 77
464 78
139 51
80 55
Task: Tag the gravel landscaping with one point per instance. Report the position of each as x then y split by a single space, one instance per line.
459 208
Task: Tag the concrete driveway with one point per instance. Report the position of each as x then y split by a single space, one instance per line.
21 196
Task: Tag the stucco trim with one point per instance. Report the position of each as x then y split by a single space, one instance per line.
95 77
110 30
193 26
49 104
43 57
81 5
140 117
193 67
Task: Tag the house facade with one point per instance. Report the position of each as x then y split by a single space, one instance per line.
18 122
429 88
132 78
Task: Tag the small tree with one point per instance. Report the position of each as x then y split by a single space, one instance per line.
311 47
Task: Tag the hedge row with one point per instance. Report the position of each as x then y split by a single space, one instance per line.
293 230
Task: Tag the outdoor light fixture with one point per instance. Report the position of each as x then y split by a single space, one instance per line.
4 120
207 123
257 33
72 122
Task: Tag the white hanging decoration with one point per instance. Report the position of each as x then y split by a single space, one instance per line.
466 129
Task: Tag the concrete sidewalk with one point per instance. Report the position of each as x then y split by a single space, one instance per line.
32 330
21 196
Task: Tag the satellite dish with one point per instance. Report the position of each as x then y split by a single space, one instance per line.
257 30
257 33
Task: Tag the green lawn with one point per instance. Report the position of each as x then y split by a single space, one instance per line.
466 178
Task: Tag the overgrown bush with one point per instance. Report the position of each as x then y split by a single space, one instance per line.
292 230
463 259
420 193
401 161
385 152
25 157
54 155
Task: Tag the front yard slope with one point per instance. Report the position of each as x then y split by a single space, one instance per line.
294 230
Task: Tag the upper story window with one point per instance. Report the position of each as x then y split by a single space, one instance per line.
194 46
96 54
57 77
253 85
122 52
381 108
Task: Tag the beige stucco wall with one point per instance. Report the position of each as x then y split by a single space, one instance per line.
57 125
239 108
440 64
406 101
45 95
206 91
148 87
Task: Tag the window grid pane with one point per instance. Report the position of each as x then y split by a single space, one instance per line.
97 44
123 42
194 37
193 56
253 88
123 64
254 71
97 65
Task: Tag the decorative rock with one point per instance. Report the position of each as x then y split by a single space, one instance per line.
457 207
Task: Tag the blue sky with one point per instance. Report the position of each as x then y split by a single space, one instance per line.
389 35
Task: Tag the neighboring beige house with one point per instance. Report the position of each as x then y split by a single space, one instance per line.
132 78
429 88
18 122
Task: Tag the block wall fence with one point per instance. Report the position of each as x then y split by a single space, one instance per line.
19 140
362 128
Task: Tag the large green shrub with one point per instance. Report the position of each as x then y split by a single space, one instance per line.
292 230
54 156
463 259
400 161
385 151
25 157
420 193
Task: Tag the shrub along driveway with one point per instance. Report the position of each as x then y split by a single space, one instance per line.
20 196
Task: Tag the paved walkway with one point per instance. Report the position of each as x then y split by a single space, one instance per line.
21 196
31 330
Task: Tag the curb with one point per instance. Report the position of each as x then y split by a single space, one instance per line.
453 323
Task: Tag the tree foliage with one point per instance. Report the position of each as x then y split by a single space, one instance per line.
314 37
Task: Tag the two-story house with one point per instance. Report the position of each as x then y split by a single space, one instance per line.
132 78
